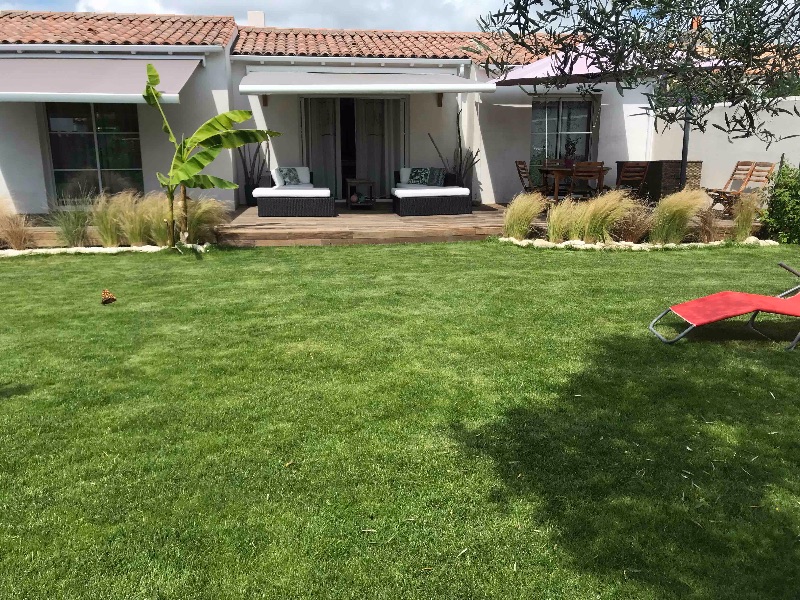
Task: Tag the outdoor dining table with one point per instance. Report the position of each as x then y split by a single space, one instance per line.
561 171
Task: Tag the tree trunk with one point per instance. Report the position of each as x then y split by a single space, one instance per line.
184 215
171 217
687 128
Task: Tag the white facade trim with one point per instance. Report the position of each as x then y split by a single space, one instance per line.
108 48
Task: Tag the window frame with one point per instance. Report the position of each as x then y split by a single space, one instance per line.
98 170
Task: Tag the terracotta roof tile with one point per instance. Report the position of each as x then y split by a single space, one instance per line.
33 27
272 41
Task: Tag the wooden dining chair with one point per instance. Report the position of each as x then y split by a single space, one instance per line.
587 171
524 175
632 176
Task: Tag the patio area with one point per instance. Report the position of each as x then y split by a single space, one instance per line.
377 225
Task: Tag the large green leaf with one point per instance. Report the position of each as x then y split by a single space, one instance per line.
235 138
152 95
207 182
153 78
218 124
194 165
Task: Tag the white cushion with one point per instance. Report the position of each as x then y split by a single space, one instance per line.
291 191
416 186
405 173
276 177
428 191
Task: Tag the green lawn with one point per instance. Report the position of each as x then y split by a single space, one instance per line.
427 421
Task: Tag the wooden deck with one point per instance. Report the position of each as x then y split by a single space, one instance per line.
360 226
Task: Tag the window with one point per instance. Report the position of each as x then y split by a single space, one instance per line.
560 129
94 147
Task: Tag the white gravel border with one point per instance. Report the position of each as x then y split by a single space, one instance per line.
581 245
97 250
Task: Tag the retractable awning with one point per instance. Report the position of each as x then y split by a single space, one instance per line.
295 82
117 80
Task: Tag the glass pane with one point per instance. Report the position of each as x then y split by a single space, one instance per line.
542 146
544 118
119 151
76 184
574 146
73 151
114 118
575 116
69 118
119 181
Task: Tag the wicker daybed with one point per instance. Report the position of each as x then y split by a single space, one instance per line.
409 199
300 200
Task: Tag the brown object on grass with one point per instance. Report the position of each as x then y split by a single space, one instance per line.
107 297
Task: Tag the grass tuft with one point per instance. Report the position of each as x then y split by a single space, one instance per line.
133 218
105 218
745 211
634 224
156 207
15 230
672 216
72 224
519 216
602 213
564 220
205 214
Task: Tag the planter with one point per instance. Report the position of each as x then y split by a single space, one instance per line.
248 194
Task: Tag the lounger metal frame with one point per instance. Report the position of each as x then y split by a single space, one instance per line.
751 323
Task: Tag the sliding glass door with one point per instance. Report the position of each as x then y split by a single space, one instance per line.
560 129
362 138
94 147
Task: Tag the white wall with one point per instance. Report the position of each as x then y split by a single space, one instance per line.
22 176
205 95
282 114
427 117
503 134
719 155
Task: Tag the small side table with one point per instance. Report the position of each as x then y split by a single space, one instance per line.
352 185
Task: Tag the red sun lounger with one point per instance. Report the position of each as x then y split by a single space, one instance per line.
725 305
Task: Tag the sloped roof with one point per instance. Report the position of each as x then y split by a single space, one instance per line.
273 41
41 27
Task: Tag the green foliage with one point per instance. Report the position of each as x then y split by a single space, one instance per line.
105 218
564 221
72 225
673 215
745 212
782 217
194 154
519 215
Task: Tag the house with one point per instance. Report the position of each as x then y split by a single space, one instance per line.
348 103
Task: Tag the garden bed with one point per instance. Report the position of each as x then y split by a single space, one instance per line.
617 246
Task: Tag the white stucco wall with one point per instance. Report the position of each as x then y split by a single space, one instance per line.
205 95
503 134
427 117
22 177
719 154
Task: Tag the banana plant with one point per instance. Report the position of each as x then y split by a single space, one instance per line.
195 153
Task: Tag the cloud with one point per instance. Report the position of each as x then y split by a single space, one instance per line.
447 15
125 6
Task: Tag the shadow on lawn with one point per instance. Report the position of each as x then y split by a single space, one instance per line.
9 390
673 467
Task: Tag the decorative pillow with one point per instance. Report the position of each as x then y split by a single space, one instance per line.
289 175
304 174
405 173
436 176
277 180
419 176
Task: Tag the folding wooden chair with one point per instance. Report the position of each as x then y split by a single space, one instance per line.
734 186
632 176
524 175
587 171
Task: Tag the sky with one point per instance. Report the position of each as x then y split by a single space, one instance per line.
440 15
